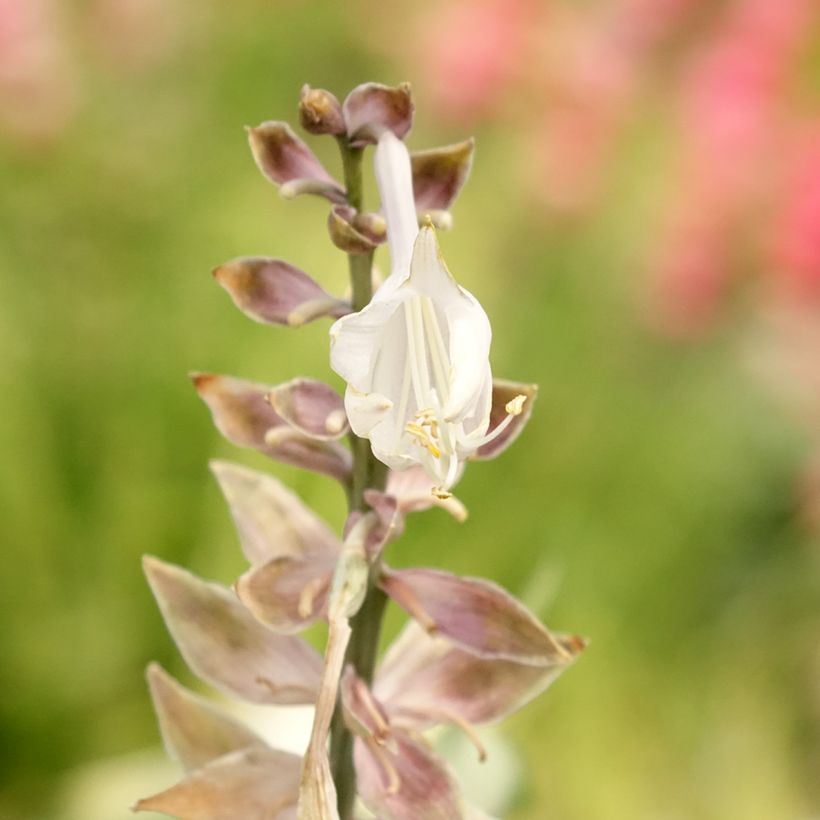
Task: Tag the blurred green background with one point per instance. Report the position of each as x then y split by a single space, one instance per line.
651 504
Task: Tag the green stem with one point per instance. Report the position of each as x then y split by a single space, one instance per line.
368 472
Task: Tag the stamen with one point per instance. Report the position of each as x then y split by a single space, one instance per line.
403 399
514 408
447 716
393 779
280 691
423 438
411 603
335 421
382 727
438 353
307 597
413 344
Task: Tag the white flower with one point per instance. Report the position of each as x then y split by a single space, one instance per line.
416 359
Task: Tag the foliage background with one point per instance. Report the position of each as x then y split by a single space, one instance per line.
651 504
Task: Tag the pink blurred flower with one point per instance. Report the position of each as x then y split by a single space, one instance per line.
795 233
38 89
733 114
473 51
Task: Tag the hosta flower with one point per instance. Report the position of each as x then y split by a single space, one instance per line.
416 359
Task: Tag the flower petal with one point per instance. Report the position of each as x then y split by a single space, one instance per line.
356 340
397 777
503 393
252 784
425 680
226 646
406 783
284 158
468 331
288 594
345 234
394 177
371 108
194 730
272 522
242 414
273 291
440 173
476 614
311 407
320 112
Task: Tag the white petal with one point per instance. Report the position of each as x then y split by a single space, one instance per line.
365 410
395 181
468 331
355 341
471 380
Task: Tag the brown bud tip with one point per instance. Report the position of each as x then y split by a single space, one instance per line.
202 380
320 112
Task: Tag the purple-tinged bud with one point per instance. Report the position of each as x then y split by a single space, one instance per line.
286 161
226 646
272 291
487 621
372 108
243 415
439 174
289 593
320 112
311 407
424 681
343 231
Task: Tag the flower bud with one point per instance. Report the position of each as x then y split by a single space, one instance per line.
372 108
320 112
345 232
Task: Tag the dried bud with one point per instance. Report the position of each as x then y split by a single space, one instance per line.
320 112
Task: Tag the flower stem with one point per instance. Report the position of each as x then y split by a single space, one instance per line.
368 472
